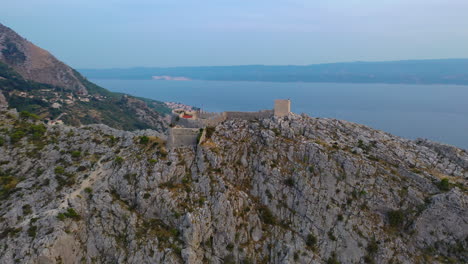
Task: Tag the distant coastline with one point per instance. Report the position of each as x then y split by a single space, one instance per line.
444 71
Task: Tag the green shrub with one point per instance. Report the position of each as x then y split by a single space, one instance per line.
2 141
230 247
372 247
59 170
61 216
76 154
16 136
332 259
70 213
27 209
144 140
340 217
27 115
311 240
289 182
37 131
119 160
88 190
146 196
396 218
32 231
444 185
267 216
7 185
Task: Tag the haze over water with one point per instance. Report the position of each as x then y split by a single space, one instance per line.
436 112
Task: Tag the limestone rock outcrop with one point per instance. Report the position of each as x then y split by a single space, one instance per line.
293 189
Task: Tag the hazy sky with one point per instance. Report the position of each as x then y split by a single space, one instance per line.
126 33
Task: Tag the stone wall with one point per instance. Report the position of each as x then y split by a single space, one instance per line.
188 123
213 120
249 115
180 137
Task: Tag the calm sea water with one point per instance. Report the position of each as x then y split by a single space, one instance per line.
436 112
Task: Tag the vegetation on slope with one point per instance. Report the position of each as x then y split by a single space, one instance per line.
99 106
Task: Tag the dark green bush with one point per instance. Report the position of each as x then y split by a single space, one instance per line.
311 240
16 136
332 259
372 247
230 247
59 170
144 140
76 154
444 185
70 213
119 160
27 209
27 115
396 218
340 217
289 182
267 216
37 131
32 231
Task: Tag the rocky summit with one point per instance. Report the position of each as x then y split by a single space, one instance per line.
291 189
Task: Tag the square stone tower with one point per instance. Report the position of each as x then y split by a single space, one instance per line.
282 107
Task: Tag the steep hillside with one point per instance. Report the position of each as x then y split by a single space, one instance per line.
36 64
278 190
32 79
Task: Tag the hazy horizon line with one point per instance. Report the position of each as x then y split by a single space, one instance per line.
271 65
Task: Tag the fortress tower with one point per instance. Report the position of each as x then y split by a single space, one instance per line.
282 107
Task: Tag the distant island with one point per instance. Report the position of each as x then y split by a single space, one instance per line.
170 78
442 71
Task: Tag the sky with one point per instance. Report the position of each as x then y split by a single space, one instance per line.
167 33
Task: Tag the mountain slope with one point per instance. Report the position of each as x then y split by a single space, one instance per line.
36 64
278 190
31 79
444 71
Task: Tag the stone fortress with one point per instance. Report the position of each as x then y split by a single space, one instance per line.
188 126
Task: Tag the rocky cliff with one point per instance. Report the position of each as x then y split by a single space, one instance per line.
278 190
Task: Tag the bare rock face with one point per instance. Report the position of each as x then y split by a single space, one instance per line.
3 101
293 189
36 64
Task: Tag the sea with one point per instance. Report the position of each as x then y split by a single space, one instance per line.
435 112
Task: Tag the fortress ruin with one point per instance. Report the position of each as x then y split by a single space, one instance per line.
188 126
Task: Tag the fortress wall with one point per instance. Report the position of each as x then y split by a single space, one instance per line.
189 123
180 137
249 115
215 120
209 115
